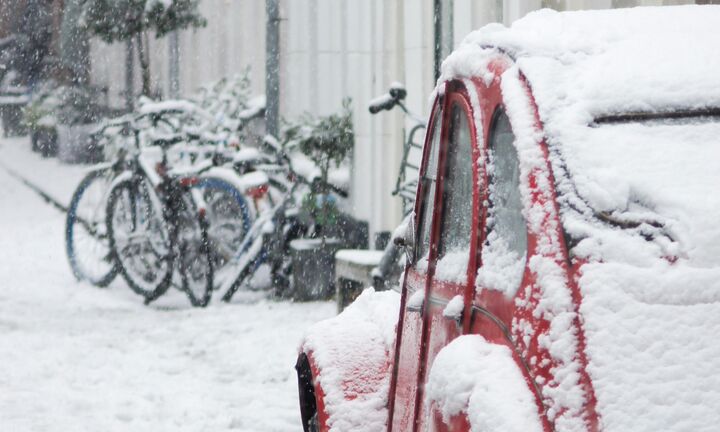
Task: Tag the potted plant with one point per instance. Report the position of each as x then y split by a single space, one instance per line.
327 141
39 117
78 114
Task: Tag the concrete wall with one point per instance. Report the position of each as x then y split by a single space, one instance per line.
331 49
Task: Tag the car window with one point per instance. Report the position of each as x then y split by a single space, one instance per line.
429 179
505 248
456 227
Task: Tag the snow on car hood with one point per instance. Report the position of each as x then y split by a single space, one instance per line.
639 198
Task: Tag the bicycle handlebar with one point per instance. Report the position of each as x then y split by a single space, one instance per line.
395 96
397 91
384 102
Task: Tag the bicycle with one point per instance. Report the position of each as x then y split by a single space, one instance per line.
268 240
86 240
223 192
156 220
390 267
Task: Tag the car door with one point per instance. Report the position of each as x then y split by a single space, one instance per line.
403 392
454 243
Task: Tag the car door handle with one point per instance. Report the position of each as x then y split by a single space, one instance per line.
415 302
414 308
454 310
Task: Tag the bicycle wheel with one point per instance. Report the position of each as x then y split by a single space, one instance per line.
244 265
280 257
140 237
194 258
228 218
86 240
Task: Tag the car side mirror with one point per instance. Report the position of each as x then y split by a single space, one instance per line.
404 237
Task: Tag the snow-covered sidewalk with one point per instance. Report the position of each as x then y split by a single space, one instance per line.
77 358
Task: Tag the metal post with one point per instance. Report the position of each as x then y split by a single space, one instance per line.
272 67
443 29
129 75
174 66
437 36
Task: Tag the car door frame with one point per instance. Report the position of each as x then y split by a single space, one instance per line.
410 273
438 293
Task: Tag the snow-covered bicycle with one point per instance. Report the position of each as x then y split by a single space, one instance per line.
389 268
86 240
156 219
268 239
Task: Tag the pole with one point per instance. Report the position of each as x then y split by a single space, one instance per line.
174 66
129 78
272 67
443 29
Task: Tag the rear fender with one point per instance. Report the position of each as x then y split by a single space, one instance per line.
345 363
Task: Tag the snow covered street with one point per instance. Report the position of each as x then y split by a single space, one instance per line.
77 358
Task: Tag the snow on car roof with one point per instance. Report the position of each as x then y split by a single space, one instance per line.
617 60
639 195
594 65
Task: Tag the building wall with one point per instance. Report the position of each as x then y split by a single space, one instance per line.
331 49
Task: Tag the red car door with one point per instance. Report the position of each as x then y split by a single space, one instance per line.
454 243
403 393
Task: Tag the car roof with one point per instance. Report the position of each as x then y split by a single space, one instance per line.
617 60
599 80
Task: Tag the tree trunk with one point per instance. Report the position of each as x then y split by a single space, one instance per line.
144 63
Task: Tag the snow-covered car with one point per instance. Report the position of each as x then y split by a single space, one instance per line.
564 261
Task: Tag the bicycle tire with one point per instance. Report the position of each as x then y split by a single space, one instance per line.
194 254
250 260
132 189
229 219
95 227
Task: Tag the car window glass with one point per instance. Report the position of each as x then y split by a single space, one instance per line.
505 248
429 180
456 228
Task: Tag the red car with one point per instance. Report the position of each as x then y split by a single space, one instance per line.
563 261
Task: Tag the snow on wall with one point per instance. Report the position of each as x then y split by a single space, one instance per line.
481 379
650 297
352 352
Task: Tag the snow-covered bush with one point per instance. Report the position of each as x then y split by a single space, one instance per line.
67 105
327 141
42 108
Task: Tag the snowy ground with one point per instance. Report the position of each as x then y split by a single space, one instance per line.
77 358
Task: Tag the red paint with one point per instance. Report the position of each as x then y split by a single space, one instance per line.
319 394
402 401
257 192
438 331
189 181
